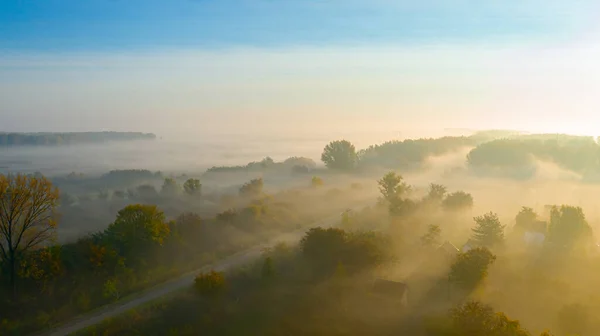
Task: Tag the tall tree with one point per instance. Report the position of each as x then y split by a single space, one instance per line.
192 187
393 189
27 217
525 219
137 227
457 201
471 268
436 193
568 226
339 155
488 231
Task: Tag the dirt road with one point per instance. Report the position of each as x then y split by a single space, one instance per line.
181 282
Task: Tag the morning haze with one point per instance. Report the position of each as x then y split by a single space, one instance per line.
317 168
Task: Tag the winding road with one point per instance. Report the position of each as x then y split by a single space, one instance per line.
181 282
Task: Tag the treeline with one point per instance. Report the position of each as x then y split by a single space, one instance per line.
71 138
575 153
43 283
340 280
294 164
497 153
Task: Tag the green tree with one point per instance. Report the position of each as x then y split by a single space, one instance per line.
27 218
192 187
392 186
323 248
138 227
210 285
457 201
476 319
110 290
436 193
252 188
393 189
525 219
340 155
568 226
471 268
488 231
432 237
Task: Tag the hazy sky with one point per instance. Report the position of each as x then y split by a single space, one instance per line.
198 66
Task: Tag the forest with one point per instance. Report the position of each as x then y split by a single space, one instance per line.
71 138
414 243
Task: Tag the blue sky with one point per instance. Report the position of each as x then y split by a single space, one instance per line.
64 25
173 67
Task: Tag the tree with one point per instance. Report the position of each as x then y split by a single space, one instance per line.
27 217
210 285
471 268
568 226
393 188
474 318
323 248
436 193
192 187
525 219
137 227
169 187
340 155
457 201
488 232
252 188
110 290
432 237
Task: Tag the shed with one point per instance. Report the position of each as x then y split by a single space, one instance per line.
393 290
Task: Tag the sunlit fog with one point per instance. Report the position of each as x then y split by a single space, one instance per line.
253 167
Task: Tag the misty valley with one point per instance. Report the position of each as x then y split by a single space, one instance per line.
488 234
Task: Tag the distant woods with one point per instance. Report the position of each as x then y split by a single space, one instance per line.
494 153
57 139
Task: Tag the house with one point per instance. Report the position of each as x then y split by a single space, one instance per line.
448 249
392 290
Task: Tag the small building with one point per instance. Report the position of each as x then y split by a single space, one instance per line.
392 290
448 249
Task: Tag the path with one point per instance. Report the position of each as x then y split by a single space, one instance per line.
181 282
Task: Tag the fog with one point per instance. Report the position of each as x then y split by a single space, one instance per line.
237 210
185 153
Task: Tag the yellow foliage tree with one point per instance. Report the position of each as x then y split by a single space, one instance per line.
27 217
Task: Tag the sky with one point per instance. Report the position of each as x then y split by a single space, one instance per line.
197 67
